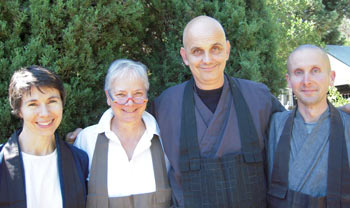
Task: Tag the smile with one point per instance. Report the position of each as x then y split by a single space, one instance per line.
45 124
130 110
208 68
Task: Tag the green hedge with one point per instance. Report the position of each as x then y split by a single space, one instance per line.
78 39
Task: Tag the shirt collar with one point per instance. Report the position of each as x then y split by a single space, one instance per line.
104 125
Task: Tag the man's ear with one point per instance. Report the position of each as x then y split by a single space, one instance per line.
228 49
183 55
332 78
288 80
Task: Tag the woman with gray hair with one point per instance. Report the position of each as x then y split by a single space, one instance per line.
127 164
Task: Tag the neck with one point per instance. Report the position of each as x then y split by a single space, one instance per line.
311 113
210 86
126 128
129 134
36 145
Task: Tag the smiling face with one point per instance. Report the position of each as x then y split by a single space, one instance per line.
309 76
41 111
205 51
127 87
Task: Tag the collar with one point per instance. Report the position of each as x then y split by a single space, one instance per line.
104 125
322 117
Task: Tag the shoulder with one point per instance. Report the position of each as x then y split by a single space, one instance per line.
168 101
171 92
258 97
281 116
151 123
346 120
276 127
278 119
252 86
81 159
86 136
93 129
80 154
345 117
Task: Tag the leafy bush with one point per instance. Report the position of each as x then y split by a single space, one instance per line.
336 98
78 39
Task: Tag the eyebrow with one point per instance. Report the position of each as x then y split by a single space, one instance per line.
215 44
52 97
126 90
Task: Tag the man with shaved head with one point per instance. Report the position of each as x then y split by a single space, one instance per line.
213 126
308 155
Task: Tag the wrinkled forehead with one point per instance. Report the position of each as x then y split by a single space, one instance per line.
128 83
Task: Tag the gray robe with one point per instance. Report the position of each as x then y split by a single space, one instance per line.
218 133
308 165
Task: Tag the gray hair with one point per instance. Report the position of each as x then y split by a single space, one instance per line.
125 68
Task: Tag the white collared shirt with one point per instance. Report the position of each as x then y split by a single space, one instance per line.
124 177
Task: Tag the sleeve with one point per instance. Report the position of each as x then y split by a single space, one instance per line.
269 146
1 156
82 163
150 108
276 105
78 142
276 127
1 153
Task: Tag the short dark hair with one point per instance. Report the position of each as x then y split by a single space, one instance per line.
25 78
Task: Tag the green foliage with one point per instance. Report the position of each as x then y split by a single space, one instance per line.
336 98
308 22
249 28
78 39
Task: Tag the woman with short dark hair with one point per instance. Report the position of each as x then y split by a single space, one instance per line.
37 169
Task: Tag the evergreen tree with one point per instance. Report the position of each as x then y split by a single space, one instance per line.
308 21
249 28
78 39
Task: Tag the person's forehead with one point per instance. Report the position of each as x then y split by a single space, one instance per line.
308 57
127 83
44 93
205 35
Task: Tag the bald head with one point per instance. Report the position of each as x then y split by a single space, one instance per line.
309 75
201 24
311 48
205 51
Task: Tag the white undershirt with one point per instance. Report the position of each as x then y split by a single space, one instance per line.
42 181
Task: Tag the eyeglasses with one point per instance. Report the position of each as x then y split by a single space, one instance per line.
124 99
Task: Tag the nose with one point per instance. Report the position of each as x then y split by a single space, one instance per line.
43 110
306 79
207 57
129 101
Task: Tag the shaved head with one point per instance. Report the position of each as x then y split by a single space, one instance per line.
205 50
309 75
200 24
309 47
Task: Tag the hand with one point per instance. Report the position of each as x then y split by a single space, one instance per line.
345 108
71 136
